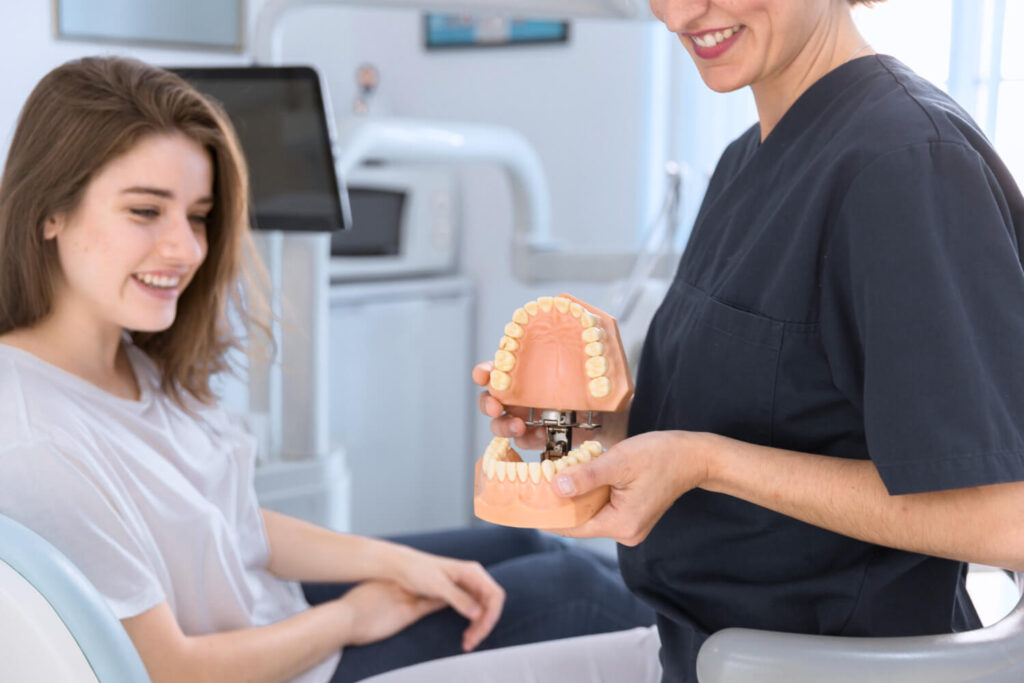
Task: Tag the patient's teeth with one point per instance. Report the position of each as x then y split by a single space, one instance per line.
521 316
593 334
562 304
594 349
575 309
597 366
535 472
588 319
522 470
508 344
513 330
547 468
545 303
500 380
503 360
531 307
599 387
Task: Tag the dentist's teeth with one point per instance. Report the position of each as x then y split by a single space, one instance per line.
547 468
532 308
504 361
599 387
513 330
719 37
597 366
594 349
500 380
575 309
508 344
535 472
545 303
521 316
593 334
522 470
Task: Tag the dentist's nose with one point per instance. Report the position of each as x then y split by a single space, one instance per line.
183 241
677 14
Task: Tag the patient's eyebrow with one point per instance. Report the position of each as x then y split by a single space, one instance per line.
162 193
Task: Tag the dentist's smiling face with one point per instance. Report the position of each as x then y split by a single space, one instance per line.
736 43
137 237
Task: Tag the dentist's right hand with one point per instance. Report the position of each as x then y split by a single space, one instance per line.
510 421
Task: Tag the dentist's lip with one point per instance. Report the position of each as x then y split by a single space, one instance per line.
712 43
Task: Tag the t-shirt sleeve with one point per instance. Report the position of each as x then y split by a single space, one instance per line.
922 318
61 498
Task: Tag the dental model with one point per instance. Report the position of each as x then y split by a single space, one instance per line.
558 357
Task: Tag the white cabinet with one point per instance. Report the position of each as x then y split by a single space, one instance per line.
401 401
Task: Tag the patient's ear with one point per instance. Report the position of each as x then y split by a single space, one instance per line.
54 225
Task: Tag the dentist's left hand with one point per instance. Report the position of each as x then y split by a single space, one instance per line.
464 585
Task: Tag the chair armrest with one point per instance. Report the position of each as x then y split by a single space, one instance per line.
738 655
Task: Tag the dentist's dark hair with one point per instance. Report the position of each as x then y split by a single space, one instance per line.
79 117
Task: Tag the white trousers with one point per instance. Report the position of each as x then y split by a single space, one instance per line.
604 658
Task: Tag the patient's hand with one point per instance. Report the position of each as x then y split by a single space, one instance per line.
464 585
379 609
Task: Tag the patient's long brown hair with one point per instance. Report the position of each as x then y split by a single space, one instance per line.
78 118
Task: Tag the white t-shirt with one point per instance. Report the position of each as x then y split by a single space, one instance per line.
149 502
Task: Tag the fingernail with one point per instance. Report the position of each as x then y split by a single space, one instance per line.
565 485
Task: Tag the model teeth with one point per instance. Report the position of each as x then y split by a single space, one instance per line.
501 462
591 338
158 281
712 39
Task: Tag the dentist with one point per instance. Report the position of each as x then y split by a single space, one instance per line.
827 424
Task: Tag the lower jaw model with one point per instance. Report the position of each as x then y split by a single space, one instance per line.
511 492
562 358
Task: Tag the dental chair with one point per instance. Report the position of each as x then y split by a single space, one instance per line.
54 626
992 654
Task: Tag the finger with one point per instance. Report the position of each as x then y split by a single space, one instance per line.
601 525
461 601
490 406
482 372
508 426
576 480
492 596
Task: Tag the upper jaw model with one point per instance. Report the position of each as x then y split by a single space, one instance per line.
564 361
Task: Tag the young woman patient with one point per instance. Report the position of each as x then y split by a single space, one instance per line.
123 233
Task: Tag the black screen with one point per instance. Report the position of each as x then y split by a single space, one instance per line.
376 221
278 113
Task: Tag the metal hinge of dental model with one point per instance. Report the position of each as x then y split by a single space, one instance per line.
559 425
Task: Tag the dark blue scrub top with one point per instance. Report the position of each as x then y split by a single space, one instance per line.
852 287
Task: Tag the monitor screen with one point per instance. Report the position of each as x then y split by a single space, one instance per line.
279 115
377 215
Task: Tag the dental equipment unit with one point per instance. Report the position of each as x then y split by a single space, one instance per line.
563 360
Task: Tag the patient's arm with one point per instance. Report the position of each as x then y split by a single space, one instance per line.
369 612
305 552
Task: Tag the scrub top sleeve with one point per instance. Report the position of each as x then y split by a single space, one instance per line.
922 318
59 497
